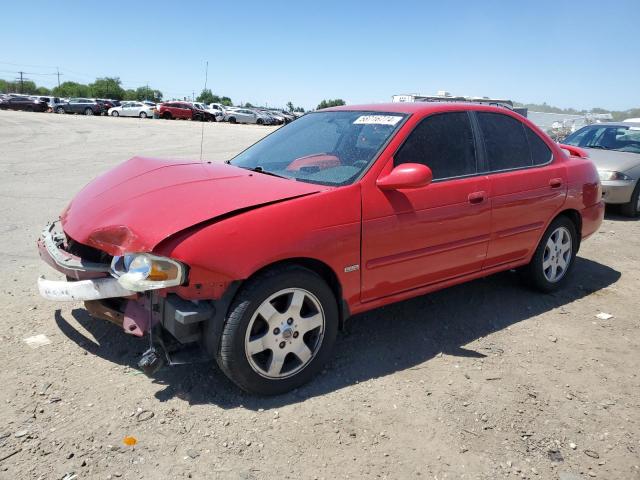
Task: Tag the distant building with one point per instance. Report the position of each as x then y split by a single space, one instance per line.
444 96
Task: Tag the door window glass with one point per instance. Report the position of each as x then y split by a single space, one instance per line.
505 141
444 142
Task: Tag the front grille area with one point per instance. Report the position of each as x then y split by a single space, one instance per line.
87 253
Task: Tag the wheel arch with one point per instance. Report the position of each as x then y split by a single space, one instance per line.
213 330
576 219
321 269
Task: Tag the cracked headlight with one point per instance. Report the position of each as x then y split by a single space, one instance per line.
140 272
609 175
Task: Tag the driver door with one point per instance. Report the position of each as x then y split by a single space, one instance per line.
417 237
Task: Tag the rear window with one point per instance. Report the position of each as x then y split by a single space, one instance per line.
505 141
540 151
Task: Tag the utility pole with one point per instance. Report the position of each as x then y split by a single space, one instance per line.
58 71
193 96
21 81
146 93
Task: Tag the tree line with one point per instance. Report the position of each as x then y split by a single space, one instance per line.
105 87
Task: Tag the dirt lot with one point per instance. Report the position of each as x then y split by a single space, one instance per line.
486 380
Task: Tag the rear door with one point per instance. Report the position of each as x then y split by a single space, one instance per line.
527 186
412 238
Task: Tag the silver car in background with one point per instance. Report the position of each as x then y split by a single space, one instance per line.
245 115
615 150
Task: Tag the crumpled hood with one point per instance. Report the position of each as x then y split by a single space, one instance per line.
613 160
138 204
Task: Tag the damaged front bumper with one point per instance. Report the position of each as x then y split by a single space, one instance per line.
170 320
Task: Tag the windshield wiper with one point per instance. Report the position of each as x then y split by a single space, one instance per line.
260 169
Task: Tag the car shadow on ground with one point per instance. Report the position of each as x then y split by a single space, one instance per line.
374 344
613 213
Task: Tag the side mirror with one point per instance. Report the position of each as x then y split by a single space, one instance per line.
406 176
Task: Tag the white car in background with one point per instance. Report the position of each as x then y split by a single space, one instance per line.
219 108
132 109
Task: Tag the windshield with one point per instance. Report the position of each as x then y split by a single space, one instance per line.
607 137
329 148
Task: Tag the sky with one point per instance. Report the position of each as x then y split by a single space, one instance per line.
579 54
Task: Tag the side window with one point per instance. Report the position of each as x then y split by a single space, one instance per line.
540 152
505 142
444 142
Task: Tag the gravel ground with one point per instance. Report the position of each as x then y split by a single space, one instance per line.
485 380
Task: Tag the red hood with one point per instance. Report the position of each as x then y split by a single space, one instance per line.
143 201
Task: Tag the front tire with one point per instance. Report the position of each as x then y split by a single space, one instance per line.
632 209
232 119
279 331
60 110
143 115
115 113
554 257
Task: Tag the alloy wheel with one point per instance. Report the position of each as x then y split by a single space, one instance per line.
285 333
557 255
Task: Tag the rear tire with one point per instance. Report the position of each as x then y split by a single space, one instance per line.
632 209
279 331
167 116
60 110
115 113
259 121
88 111
232 119
553 260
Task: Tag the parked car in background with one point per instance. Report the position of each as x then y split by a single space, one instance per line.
211 115
219 108
131 109
52 102
244 115
23 103
84 106
107 104
260 260
174 110
615 149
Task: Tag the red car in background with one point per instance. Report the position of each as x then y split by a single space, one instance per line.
182 110
260 260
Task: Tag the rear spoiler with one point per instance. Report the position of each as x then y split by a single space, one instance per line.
574 151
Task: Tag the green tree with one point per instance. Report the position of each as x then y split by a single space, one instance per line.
330 103
71 89
207 96
6 86
148 93
107 87
226 101
290 106
248 105
43 91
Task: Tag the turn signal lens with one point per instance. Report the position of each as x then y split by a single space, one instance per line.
140 272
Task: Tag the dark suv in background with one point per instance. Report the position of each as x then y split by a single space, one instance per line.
81 105
23 103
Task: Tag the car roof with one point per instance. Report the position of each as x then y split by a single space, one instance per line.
615 124
417 107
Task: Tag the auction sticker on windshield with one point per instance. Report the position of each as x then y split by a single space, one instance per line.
377 120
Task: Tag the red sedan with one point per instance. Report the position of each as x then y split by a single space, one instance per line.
261 260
